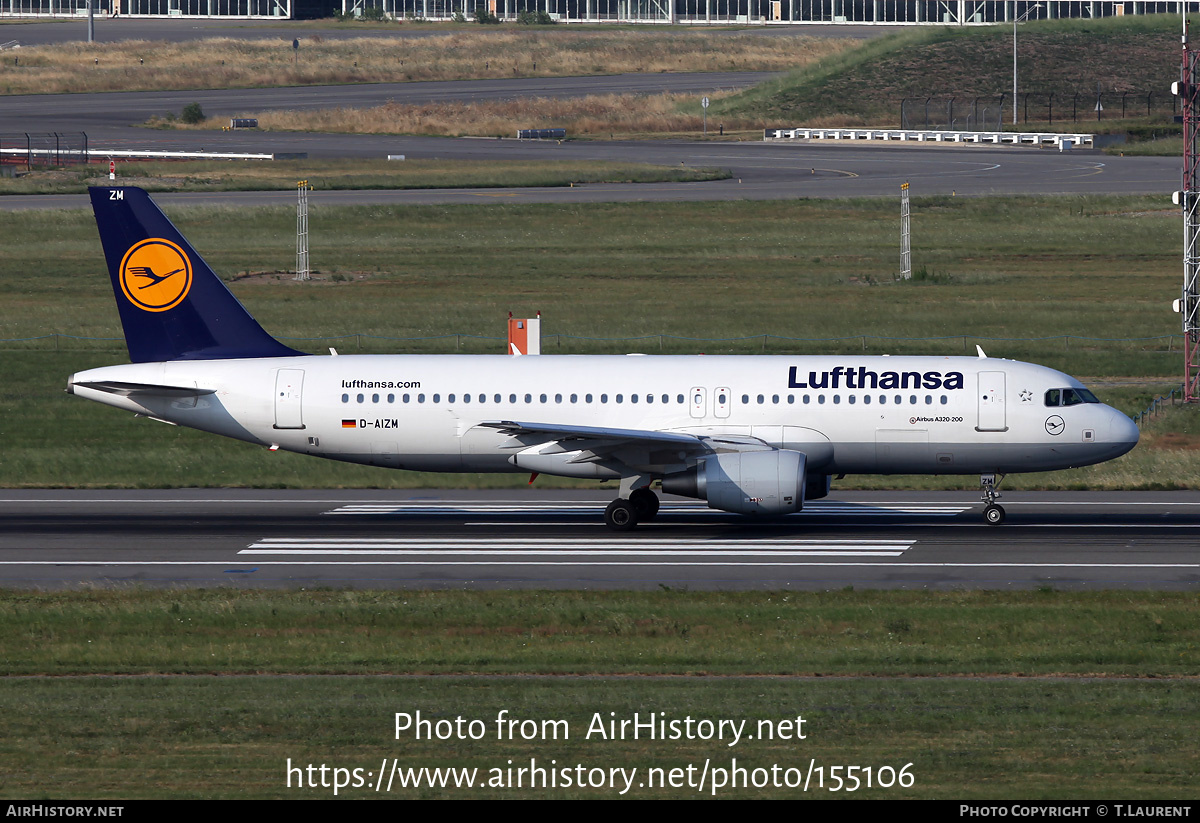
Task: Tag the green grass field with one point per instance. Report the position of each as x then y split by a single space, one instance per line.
865 85
987 695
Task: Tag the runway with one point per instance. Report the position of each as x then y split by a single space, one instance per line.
555 539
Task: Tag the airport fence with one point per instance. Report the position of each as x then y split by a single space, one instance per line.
989 113
1174 397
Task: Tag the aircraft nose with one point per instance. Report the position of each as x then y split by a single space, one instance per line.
1122 430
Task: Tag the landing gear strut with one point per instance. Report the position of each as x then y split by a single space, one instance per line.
993 514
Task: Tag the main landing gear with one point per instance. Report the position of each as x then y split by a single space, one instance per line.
624 513
993 514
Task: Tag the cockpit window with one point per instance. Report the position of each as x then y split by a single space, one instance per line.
1069 397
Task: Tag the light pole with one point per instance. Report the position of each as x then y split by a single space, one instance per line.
1016 20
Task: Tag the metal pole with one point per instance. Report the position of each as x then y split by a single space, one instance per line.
1016 20
91 21
905 235
302 230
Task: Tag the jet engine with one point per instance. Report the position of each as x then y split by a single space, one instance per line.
761 482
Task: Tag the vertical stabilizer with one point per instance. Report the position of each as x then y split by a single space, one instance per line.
172 305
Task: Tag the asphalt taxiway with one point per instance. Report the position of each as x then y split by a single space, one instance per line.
556 539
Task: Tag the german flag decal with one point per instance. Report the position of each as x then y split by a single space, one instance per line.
349 424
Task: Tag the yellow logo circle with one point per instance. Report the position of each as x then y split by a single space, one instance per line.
156 275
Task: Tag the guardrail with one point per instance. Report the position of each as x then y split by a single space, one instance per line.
1015 138
1156 404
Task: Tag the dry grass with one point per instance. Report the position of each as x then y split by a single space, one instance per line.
606 115
231 63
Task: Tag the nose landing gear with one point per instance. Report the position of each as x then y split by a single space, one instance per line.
993 514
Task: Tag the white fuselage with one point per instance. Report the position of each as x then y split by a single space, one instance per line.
945 415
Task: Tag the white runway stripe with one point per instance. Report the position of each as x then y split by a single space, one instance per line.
438 548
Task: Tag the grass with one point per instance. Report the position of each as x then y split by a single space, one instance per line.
1024 270
843 633
1033 695
455 55
865 86
349 174
1063 64
610 115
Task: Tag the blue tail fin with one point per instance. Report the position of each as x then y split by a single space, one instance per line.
172 305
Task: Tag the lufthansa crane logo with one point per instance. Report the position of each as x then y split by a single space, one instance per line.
156 275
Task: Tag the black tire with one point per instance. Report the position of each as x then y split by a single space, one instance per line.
621 515
993 514
645 502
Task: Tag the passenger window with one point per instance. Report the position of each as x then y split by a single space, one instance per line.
512 398
404 398
745 400
620 398
775 399
420 398
360 398
587 398
391 398
837 399
633 398
345 398
680 399
437 398
760 400
529 398
466 398
604 398
574 398
851 399
449 398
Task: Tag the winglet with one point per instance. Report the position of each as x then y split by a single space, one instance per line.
172 305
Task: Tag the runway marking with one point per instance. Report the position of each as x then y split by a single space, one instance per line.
881 564
505 549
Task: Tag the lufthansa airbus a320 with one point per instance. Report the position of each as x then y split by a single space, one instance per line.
758 435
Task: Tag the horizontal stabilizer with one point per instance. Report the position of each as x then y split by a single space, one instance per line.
130 389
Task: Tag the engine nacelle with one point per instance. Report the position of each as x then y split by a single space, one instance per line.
765 482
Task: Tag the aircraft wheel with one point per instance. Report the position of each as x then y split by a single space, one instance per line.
645 503
994 515
621 515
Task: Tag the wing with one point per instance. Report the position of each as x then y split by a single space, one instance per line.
624 450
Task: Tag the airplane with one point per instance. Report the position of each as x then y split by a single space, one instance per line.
757 435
